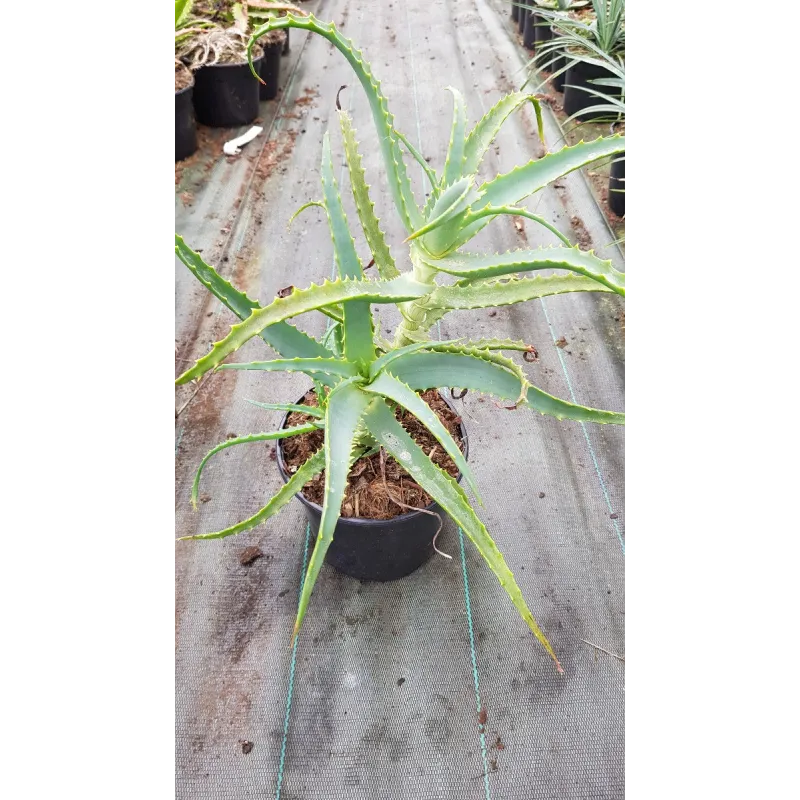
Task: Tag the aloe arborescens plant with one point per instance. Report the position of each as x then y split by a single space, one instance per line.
361 378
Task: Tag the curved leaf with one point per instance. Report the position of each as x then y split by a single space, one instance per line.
495 211
516 290
327 366
346 406
454 200
383 426
364 205
455 150
399 184
283 433
304 474
429 172
494 265
357 317
281 337
300 301
426 370
312 411
387 385
381 363
483 134
523 181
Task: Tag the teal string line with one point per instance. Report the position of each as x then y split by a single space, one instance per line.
291 675
474 663
585 432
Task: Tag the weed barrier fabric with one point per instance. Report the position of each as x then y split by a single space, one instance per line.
431 686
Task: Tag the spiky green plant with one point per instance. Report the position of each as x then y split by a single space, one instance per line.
360 378
187 25
600 41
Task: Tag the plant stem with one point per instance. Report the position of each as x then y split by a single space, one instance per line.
414 312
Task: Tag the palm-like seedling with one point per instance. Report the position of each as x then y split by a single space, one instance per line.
600 41
360 378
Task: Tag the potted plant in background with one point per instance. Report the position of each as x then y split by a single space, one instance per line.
262 10
225 93
274 44
185 128
365 409
541 29
524 11
609 105
582 51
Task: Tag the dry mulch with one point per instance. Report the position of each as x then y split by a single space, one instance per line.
367 494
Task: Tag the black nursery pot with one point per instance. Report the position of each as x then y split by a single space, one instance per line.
559 80
377 549
514 11
541 32
575 99
529 30
285 51
185 128
270 71
524 11
616 186
226 95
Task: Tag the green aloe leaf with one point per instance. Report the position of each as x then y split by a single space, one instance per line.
516 290
357 317
345 407
312 411
430 173
455 150
495 211
383 426
497 344
495 265
311 366
301 301
381 363
183 8
454 200
304 474
364 205
394 162
484 133
429 370
523 181
283 433
492 357
285 339
387 385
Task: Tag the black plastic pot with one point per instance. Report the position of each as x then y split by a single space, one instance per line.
377 549
514 11
559 80
575 99
270 71
524 11
285 51
529 31
542 31
226 95
616 186
185 128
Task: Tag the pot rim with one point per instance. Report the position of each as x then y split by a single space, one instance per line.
229 64
185 88
365 521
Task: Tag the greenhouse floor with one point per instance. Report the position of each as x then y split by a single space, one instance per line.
431 686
